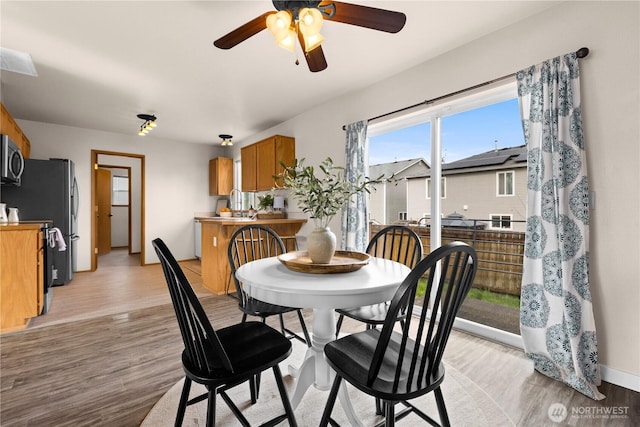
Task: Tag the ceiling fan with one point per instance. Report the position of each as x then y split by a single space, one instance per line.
302 20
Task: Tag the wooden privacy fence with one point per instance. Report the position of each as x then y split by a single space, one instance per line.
500 254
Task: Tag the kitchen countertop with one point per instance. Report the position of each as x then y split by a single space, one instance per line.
238 220
25 225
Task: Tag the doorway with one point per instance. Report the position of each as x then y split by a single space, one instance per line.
135 163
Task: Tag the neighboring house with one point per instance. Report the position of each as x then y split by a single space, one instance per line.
388 203
490 187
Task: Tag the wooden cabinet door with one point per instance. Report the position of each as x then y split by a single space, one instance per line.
19 257
261 161
9 127
266 151
220 176
249 167
285 153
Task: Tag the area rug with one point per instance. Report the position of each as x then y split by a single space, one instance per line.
467 404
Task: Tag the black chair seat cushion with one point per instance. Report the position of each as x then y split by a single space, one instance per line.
259 308
372 314
252 348
352 356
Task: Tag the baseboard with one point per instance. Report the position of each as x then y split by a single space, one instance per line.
610 375
493 334
620 378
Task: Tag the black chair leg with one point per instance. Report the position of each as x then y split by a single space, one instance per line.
339 324
389 414
211 408
257 379
184 397
304 329
252 389
442 409
284 332
326 415
283 395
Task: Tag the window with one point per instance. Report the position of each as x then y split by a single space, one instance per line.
504 183
402 216
120 190
443 188
468 129
501 221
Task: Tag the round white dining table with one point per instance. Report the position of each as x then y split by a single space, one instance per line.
271 281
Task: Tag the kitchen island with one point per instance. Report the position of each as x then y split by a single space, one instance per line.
216 233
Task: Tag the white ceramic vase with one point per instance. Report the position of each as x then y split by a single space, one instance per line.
321 244
13 215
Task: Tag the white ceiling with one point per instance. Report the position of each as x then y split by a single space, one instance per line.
99 64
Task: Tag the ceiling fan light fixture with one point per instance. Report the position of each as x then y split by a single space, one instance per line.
288 40
312 42
309 21
309 24
279 23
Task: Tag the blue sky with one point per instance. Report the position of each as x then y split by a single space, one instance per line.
463 135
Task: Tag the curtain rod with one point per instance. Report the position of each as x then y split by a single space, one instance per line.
580 53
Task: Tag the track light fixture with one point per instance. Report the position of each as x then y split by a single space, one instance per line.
226 140
149 123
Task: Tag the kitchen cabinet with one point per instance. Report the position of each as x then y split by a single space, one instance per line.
21 275
220 176
216 234
9 127
249 159
261 161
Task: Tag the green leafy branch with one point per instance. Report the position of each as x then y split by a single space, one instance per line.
323 195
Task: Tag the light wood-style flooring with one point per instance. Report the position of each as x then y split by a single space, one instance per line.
110 348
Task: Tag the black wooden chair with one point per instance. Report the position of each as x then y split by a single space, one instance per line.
224 358
396 367
397 243
249 243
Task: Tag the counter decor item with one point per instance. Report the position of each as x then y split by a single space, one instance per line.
13 215
3 213
265 202
270 206
321 196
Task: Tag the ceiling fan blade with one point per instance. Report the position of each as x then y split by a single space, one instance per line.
365 16
243 32
315 58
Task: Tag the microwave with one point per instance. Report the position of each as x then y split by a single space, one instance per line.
12 161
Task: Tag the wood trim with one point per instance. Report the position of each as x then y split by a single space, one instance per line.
94 162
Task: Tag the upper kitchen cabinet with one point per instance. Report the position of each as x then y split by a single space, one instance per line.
249 159
9 127
261 161
220 176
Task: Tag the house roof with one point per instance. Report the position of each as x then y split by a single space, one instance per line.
491 158
400 169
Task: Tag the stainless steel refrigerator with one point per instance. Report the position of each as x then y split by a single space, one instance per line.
48 191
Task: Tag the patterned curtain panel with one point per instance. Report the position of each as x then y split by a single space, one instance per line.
355 229
556 314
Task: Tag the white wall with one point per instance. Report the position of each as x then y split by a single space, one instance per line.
176 181
610 91
177 184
